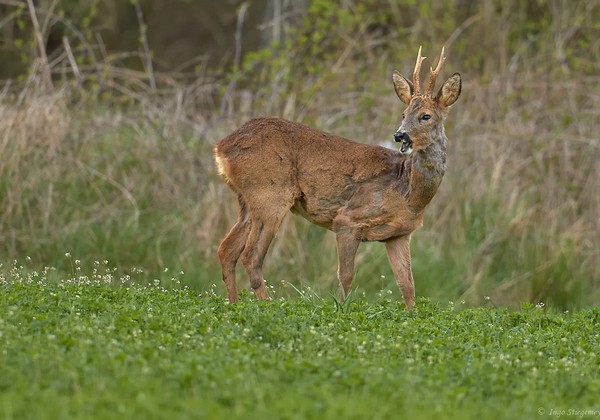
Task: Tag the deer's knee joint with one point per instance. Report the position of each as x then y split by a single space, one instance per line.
247 258
223 252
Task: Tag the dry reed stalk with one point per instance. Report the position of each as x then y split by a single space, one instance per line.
144 38
44 66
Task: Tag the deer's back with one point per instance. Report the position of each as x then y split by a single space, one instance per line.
268 147
317 172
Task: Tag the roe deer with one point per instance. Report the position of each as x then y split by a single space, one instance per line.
359 191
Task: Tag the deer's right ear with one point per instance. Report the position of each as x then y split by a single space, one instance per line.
450 90
404 89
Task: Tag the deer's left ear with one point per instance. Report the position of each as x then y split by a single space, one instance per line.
450 90
404 89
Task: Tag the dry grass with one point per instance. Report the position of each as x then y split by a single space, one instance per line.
531 163
516 217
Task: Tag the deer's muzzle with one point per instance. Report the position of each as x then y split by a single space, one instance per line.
405 142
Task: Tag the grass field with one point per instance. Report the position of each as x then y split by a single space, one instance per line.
99 346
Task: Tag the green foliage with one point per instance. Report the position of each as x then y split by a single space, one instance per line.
92 346
483 36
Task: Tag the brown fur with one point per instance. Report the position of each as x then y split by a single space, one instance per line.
361 192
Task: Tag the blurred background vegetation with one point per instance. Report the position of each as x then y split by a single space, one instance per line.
109 110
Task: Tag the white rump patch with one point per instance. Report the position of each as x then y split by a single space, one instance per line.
222 167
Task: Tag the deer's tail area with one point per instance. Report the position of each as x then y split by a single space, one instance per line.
222 166
267 196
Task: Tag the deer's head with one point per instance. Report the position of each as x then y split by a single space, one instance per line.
423 119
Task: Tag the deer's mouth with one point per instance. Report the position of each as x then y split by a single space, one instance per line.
406 143
406 146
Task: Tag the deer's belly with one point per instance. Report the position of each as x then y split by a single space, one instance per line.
321 215
388 230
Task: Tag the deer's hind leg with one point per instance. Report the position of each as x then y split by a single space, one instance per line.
266 217
231 248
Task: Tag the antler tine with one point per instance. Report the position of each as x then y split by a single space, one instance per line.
433 74
417 73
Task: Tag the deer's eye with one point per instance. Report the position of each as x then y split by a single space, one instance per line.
425 117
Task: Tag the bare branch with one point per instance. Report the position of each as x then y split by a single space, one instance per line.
238 55
71 58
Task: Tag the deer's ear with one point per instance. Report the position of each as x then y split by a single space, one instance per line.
404 89
450 90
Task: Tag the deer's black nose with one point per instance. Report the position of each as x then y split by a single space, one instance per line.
401 136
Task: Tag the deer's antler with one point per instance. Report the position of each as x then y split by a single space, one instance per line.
417 73
433 74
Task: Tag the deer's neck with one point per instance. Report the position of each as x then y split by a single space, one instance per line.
427 170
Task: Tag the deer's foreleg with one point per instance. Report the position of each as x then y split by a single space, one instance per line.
398 250
347 245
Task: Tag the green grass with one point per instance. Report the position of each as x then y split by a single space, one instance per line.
99 346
